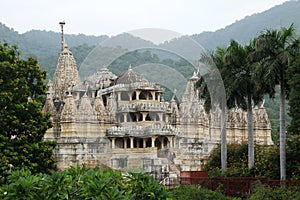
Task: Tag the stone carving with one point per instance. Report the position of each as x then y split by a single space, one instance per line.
107 118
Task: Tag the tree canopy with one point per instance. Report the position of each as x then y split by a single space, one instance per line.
22 122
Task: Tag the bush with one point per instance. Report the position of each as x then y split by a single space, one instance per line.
263 192
192 192
82 183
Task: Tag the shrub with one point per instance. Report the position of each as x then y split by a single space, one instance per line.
192 192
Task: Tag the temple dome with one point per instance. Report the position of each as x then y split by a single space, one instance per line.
129 77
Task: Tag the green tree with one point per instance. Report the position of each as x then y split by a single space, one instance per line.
243 90
210 86
22 122
276 50
294 96
293 143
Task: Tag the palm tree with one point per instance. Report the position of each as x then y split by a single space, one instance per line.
276 50
212 90
243 87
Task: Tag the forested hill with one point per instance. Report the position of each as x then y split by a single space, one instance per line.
279 16
46 45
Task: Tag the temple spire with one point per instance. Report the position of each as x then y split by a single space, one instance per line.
62 34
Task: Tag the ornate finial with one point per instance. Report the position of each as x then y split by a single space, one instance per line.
62 34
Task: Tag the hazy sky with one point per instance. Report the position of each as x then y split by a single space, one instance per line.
111 17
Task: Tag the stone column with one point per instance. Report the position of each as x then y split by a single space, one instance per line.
113 143
125 117
153 141
167 118
131 142
153 95
160 116
136 117
144 116
119 96
170 139
137 94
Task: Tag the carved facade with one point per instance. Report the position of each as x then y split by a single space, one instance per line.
123 122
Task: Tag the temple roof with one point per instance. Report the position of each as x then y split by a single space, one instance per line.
130 76
102 75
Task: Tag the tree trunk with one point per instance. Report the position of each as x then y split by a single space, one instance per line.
282 132
223 140
250 132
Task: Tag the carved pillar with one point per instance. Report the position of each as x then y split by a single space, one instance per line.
167 118
113 143
136 117
153 141
153 95
131 142
129 96
170 139
119 96
137 94
144 116
160 116
125 117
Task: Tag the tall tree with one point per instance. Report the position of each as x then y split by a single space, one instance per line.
22 122
294 96
243 91
212 89
276 50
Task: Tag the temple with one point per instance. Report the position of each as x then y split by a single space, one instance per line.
123 122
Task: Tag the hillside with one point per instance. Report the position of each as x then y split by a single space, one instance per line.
279 16
45 45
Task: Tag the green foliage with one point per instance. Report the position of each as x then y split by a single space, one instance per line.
266 161
143 187
294 96
293 159
237 161
23 124
82 183
193 192
23 185
262 192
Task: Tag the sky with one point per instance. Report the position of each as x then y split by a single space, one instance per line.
112 17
